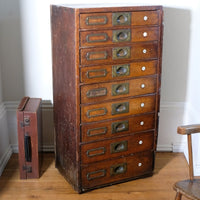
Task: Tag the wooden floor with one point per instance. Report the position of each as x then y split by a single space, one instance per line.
169 168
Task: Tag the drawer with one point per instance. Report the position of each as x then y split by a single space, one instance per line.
124 126
131 106
104 91
108 55
103 73
105 37
107 149
113 170
118 19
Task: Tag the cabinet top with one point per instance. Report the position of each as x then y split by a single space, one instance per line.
110 7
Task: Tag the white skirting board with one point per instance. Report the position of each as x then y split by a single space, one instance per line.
171 116
5 158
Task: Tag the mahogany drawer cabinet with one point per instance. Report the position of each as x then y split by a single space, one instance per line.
106 89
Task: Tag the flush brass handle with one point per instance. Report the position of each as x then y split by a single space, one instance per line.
120 70
120 126
123 35
121 18
121 52
119 89
119 146
118 169
119 108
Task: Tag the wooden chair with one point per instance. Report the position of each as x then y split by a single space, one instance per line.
191 187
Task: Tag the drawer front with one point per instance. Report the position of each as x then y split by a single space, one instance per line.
145 18
118 19
103 73
91 56
103 37
132 106
117 169
124 126
98 151
105 91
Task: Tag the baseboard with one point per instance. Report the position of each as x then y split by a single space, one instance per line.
2 110
45 148
179 147
164 147
48 148
5 158
197 169
176 147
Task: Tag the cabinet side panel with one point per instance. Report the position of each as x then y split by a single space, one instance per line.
64 91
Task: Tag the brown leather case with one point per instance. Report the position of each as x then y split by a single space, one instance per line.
29 137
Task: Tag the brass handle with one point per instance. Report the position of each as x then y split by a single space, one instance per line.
96 152
121 52
96 73
119 89
97 92
121 18
96 174
123 35
120 126
96 20
27 148
120 70
119 108
119 146
118 169
97 131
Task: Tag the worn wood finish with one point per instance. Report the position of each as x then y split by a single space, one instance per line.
113 128
113 90
106 68
106 37
117 169
112 148
102 111
105 20
65 92
102 73
106 55
189 129
188 188
169 167
29 137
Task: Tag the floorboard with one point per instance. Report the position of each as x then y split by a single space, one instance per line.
169 168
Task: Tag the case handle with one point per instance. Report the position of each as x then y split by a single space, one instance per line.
27 148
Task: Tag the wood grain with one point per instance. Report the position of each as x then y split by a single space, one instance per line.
169 168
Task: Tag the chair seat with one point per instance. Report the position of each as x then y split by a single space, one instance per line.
190 189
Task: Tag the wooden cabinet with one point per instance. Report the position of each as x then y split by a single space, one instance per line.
106 88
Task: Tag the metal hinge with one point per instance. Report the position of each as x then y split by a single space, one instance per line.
28 169
26 122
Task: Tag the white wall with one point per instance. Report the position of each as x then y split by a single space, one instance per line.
193 96
5 150
27 65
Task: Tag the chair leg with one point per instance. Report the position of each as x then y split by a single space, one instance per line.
178 196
